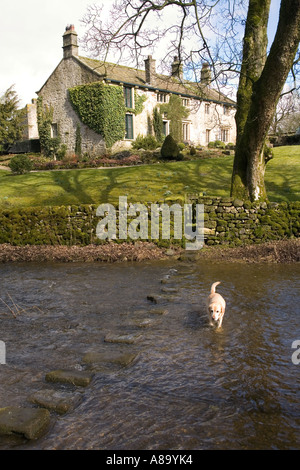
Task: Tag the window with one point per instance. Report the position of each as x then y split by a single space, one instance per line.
225 110
54 130
225 135
185 131
128 97
207 108
185 102
129 126
207 135
165 128
162 97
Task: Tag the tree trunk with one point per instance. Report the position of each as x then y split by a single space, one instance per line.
260 86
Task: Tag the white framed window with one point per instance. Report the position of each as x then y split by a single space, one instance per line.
129 126
207 135
162 98
128 97
207 108
54 130
185 102
225 134
166 127
186 131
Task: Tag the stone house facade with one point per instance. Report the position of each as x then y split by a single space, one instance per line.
211 114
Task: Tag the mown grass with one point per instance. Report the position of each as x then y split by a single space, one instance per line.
146 183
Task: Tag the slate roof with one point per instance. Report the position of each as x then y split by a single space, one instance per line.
136 77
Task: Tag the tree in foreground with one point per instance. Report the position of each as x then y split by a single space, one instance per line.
212 32
11 118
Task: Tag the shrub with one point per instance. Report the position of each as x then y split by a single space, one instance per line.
193 151
216 144
147 142
20 164
170 149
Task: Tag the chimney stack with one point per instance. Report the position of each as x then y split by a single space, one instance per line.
150 70
205 74
177 69
70 46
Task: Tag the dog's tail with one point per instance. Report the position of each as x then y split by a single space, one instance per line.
213 287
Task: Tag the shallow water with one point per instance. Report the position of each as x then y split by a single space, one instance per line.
191 387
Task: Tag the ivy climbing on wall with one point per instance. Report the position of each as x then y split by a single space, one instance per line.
101 107
176 112
49 145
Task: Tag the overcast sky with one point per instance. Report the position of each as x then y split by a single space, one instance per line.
31 40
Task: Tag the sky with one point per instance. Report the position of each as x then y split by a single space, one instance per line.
31 40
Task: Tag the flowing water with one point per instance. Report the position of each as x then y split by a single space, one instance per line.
190 386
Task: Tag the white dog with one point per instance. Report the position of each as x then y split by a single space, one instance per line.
215 306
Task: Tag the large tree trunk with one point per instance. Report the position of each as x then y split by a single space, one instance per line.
260 86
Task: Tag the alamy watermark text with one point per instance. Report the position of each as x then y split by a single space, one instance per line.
188 222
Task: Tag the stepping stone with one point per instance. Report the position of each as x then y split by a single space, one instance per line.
169 290
55 400
126 339
70 377
154 298
109 358
158 311
32 423
145 323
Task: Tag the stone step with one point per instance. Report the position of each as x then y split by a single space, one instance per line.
70 377
31 423
126 339
60 402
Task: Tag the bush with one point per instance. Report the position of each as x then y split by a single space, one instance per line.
216 144
20 164
147 142
170 149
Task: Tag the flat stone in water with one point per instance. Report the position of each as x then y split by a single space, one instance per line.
169 290
158 311
55 400
108 358
71 377
127 339
32 423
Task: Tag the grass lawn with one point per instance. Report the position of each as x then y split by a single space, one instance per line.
146 183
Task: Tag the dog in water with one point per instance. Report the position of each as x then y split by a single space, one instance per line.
215 306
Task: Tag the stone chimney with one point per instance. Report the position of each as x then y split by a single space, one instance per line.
177 69
150 70
70 46
205 74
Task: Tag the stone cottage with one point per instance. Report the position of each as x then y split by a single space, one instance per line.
210 114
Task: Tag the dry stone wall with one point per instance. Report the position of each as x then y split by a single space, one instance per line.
227 222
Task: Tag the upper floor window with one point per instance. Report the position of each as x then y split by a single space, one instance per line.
162 97
185 102
128 97
207 108
225 109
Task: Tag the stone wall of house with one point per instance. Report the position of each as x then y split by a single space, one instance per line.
70 73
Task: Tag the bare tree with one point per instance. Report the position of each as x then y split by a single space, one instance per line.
232 38
287 116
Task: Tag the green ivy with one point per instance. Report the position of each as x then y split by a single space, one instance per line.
49 145
101 107
175 112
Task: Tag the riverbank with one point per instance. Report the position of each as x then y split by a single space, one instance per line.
286 251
